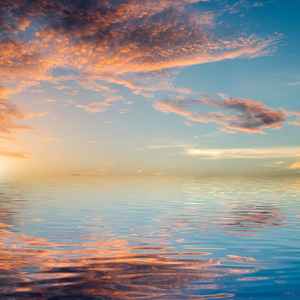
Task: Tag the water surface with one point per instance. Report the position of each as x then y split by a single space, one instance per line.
161 238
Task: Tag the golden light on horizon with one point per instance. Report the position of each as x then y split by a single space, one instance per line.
2 169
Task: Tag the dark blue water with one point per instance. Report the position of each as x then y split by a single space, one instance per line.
192 238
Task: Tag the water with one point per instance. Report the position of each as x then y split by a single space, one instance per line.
161 238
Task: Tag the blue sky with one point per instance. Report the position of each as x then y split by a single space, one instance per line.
152 87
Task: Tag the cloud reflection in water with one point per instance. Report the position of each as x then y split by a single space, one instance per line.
182 253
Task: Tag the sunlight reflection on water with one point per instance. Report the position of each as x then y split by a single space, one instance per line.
199 238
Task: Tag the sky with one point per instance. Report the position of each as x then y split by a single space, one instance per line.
149 88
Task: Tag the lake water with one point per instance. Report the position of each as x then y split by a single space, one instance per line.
152 238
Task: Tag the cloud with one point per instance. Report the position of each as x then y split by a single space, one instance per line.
95 106
99 172
227 130
9 112
155 81
3 92
158 173
48 139
15 154
72 93
8 138
241 153
233 113
168 146
294 83
234 153
113 38
46 101
295 165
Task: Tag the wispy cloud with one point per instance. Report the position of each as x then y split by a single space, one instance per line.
114 38
72 93
294 83
9 113
95 106
241 5
295 165
8 138
167 146
48 139
233 113
46 101
10 116
15 154
99 172
233 153
240 153
158 173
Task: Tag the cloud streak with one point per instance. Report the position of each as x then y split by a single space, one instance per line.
48 139
241 153
95 106
14 154
233 113
99 172
235 153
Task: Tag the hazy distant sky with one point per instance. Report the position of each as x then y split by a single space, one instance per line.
146 87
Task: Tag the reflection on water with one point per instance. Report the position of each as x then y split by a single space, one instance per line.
171 239
251 218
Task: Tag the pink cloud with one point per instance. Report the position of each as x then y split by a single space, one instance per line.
233 113
112 38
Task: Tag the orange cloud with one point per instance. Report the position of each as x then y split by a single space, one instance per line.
47 139
99 172
295 165
8 138
234 113
110 38
158 173
8 113
3 92
15 154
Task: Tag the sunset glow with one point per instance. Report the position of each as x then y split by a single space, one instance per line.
149 149
87 84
